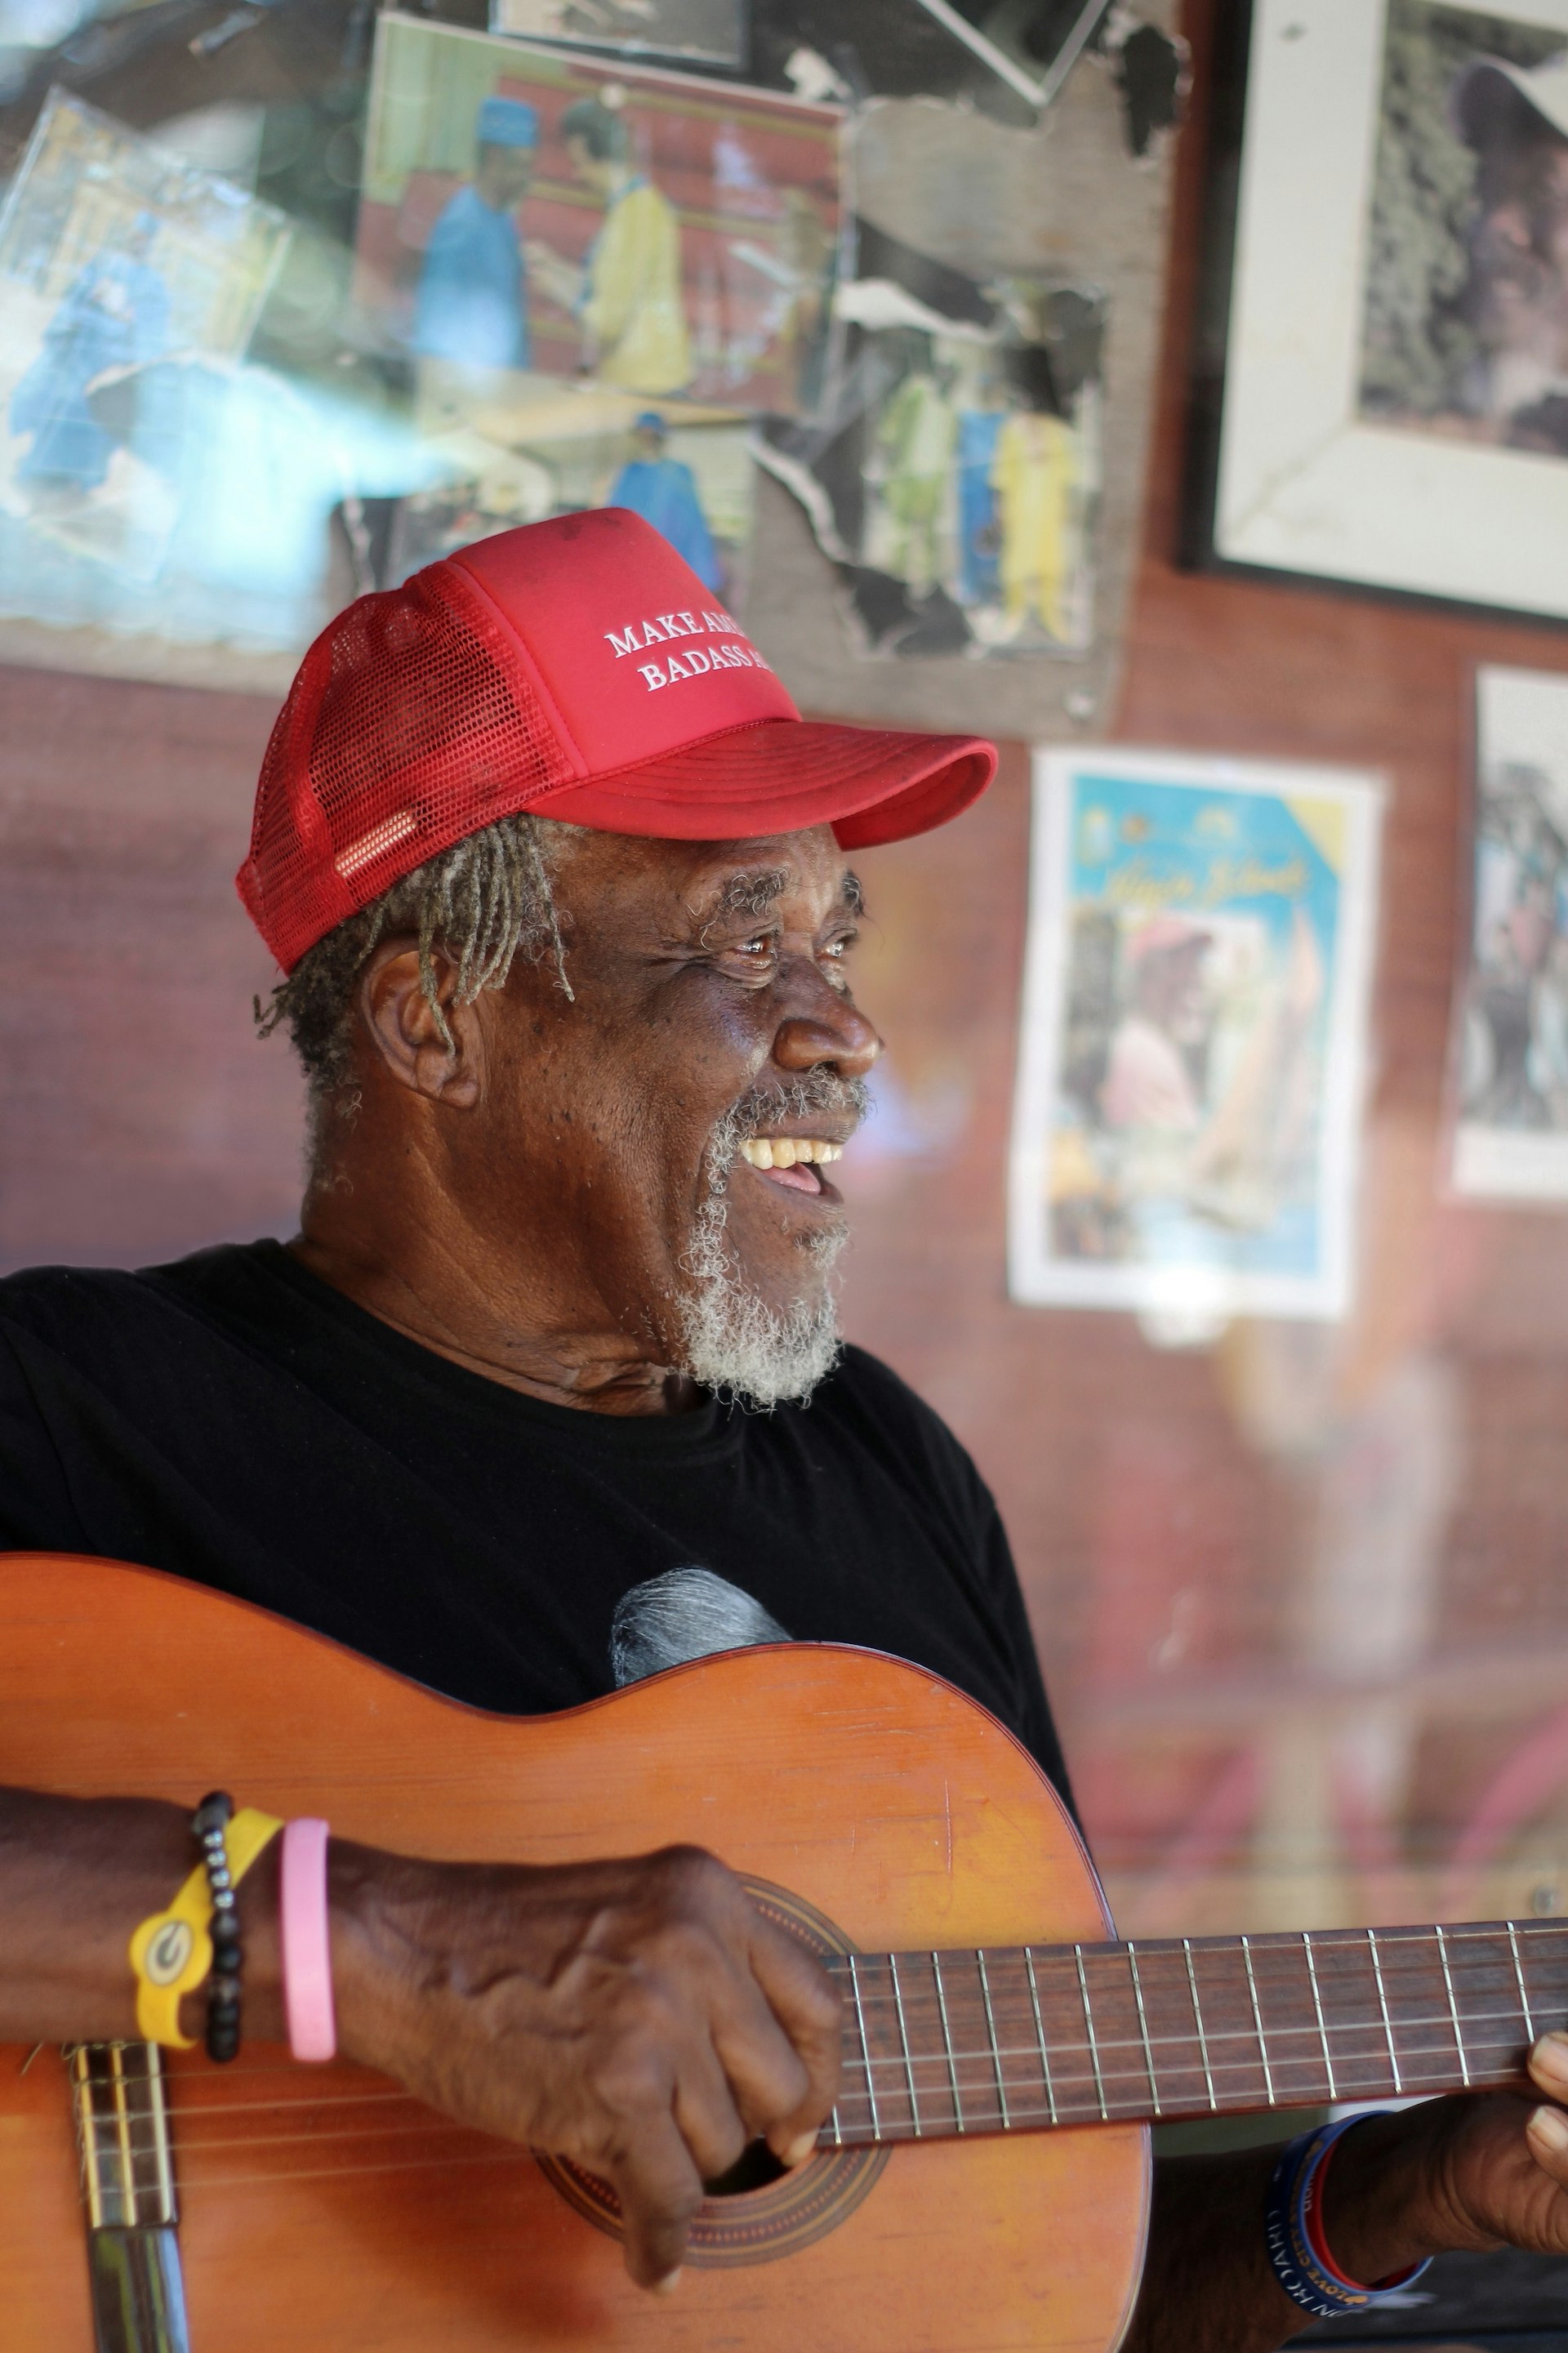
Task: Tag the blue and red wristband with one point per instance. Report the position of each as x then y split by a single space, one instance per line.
1294 2231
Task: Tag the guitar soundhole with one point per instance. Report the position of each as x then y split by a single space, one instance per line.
757 2211
756 2167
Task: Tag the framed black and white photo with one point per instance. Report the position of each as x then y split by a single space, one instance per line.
690 32
1394 408
1510 1047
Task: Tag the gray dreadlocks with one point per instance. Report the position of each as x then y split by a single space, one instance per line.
482 903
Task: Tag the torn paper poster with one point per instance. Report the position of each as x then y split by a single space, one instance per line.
953 468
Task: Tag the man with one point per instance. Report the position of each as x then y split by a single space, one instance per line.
472 303
626 293
663 491
558 879
1516 297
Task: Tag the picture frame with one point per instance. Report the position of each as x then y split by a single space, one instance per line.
711 33
1509 1063
1350 429
1193 1048
688 263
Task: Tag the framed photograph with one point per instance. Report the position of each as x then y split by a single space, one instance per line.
1032 46
1510 1057
1192 1051
529 211
1394 409
698 32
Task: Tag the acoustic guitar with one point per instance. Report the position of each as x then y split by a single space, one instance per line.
984 2181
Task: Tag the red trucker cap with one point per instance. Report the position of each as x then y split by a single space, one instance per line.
577 668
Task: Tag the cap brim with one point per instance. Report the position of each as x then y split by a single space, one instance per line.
781 775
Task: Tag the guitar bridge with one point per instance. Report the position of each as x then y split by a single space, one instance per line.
128 2185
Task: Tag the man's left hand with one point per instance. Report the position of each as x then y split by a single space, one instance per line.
1502 2162
1472 2172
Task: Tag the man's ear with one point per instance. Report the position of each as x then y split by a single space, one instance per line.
405 1033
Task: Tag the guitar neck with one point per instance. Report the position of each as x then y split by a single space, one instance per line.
1023 2037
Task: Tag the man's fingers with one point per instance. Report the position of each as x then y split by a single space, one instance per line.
808 2006
659 2190
1547 2127
707 2110
1548 2130
1549 2064
766 2073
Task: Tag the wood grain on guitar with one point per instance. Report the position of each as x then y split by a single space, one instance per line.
983 2184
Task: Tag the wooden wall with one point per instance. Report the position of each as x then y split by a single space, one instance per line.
1175 1513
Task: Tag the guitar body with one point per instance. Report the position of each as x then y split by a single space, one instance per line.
324 2209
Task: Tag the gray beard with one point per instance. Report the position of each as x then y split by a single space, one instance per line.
732 1341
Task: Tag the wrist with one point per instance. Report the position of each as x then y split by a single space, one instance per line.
369 1896
1386 2202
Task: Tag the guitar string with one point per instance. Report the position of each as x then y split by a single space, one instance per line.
1065 2050
184 2115
1392 1947
198 2178
1044 1955
1249 2034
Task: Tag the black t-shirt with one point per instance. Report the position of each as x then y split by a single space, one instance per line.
234 1419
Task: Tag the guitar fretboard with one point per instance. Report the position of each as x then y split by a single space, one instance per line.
1025 2036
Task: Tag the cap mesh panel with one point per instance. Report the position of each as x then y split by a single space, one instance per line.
402 733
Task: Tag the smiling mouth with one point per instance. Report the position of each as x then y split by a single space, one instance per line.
791 1161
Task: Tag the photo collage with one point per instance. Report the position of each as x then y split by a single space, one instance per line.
260 357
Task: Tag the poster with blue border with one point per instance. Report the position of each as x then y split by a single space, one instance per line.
1193 1045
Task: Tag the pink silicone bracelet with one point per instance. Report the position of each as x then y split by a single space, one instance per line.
307 1959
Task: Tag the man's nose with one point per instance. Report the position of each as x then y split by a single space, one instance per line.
843 1037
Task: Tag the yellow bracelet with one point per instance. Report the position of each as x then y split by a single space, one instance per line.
171 1952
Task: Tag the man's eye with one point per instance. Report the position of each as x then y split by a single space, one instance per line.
761 946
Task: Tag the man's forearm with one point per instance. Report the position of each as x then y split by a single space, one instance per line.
76 1877
1208 2286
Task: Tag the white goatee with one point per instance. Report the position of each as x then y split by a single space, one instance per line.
733 1341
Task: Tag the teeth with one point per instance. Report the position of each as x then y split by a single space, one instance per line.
784 1151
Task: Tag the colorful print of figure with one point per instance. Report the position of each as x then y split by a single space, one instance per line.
979 539
663 491
472 305
913 463
626 293
113 314
1034 477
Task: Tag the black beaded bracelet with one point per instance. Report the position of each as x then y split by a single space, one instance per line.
208 1823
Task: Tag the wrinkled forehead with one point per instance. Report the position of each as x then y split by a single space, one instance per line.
804 877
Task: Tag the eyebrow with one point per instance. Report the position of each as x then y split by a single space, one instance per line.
750 892
756 891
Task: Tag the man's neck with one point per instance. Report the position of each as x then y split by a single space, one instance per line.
433 1298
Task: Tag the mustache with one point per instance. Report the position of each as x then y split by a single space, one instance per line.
814 1093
